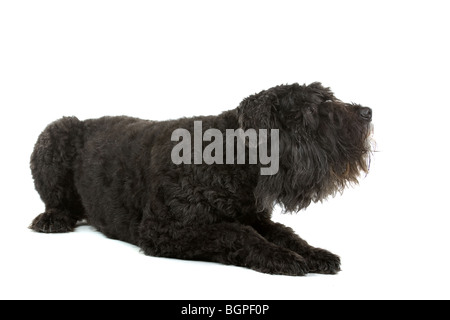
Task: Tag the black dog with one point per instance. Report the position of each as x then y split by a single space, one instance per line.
118 174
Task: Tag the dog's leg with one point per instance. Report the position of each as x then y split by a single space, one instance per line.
52 169
319 260
227 243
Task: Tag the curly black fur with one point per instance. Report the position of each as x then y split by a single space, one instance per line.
117 173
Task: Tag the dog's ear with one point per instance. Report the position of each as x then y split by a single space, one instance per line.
311 98
318 93
258 111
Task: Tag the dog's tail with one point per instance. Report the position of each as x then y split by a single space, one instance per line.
58 143
52 161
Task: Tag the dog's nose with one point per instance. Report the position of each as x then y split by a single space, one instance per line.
366 113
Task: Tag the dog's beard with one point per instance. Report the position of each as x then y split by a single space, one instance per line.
307 173
369 147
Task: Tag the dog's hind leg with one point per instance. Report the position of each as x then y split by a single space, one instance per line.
52 167
318 260
227 243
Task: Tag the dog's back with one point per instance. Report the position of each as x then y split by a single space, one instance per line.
108 170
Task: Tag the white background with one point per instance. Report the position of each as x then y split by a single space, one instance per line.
167 59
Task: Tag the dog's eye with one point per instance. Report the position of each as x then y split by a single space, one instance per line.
311 109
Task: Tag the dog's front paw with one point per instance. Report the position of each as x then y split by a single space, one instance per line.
295 266
281 262
289 263
323 261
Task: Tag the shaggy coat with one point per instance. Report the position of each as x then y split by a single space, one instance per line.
117 173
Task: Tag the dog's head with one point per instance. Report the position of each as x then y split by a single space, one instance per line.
325 143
